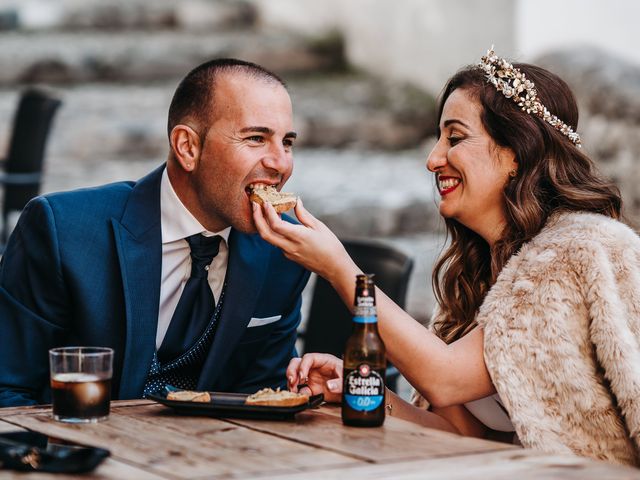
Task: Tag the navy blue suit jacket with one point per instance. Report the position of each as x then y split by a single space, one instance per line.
83 268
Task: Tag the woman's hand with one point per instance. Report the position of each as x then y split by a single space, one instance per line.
319 372
310 244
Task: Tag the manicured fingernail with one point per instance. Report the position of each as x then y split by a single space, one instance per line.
333 385
290 380
254 206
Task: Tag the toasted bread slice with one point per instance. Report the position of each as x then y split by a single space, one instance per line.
276 398
266 193
189 396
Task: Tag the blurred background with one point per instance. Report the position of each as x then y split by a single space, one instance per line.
363 74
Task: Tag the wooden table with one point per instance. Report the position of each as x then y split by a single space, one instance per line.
148 441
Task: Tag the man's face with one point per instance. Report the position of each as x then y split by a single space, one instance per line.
249 140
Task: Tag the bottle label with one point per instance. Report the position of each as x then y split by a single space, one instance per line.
365 301
365 319
364 389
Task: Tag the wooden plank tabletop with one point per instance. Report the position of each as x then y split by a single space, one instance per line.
499 465
398 440
148 440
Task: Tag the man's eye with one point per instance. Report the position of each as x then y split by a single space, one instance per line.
256 138
454 140
288 143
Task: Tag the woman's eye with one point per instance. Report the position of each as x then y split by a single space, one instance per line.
454 140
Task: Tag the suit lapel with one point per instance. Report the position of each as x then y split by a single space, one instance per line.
138 239
248 260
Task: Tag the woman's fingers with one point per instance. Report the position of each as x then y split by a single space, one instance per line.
292 374
307 362
264 228
306 391
304 216
323 374
334 385
314 247
279 226
324 362
269 223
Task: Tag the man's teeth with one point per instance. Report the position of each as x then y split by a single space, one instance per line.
253 186
260 185
448 183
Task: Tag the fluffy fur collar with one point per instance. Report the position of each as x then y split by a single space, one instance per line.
562 338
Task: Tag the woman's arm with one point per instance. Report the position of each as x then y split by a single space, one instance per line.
462 420
316 373
444 374
399 408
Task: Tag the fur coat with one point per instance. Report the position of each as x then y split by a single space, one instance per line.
562 338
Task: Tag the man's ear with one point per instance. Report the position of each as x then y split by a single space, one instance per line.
185 143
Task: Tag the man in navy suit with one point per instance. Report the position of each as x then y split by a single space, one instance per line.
107 266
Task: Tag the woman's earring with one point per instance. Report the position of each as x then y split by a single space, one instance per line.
513 173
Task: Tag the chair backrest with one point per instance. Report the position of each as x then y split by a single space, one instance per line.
329 320
24 161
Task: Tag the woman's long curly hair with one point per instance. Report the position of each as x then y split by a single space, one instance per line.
553 174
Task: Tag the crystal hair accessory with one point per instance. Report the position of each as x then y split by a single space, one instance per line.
514 85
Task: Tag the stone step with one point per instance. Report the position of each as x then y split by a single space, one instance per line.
356 193
69 15
137 56
98 121
361 111
367 193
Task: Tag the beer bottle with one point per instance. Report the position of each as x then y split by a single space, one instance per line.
364 362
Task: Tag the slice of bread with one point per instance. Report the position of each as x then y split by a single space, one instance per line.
276 398
266 193
189 396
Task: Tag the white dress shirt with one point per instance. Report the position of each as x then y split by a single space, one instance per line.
178 223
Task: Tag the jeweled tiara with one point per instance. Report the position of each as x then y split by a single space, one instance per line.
514 85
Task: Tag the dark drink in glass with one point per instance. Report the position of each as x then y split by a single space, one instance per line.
81 396
81 383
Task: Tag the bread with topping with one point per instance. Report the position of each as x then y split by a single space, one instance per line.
280 201
189 396
276 398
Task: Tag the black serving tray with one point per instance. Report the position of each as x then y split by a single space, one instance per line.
231 405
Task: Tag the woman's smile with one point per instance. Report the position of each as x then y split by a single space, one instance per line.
447 184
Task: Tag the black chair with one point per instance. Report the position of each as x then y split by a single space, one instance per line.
329 321
23 165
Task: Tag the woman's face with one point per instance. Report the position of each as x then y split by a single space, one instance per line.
471 170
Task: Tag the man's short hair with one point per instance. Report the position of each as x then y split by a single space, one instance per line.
194 96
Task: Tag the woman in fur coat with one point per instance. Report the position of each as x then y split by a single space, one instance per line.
537 329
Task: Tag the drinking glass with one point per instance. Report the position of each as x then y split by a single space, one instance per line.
81 383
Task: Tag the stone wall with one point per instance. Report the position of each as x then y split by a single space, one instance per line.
546 25
608 93
417 41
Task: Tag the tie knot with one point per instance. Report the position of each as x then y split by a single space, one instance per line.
203 249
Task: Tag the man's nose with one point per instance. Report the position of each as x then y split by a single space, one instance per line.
437 159
278 158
